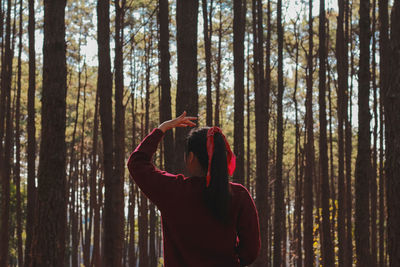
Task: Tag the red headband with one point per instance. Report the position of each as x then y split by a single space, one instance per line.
231 159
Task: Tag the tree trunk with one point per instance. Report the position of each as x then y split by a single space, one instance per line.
363 167
165 82
5 154
219 70
373 184
31 149
49 234
186 95
261 133
327 246
384 52
239 21
119 137
207 48
309 150
279 209
18 144
112 245
95 261
392 102
342 85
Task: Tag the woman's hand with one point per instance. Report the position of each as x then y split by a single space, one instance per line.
181 121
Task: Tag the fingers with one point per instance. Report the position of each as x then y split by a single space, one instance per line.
182 115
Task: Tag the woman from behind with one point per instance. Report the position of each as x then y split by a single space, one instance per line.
206 220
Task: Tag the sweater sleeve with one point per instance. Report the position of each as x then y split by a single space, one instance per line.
248 231
159 186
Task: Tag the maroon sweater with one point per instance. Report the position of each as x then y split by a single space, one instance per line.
192 236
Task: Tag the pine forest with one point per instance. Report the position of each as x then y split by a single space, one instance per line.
306 92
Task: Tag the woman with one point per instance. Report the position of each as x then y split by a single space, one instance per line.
207 220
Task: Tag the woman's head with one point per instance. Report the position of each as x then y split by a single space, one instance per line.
216 194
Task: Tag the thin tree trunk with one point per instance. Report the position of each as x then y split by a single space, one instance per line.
392 102
207 48
363 167
298 198
342 84
384 52
18 144
119 137
5 154
31 149
219 70
279 209
165 82
349 143
373 184
327 246
94 206
309 150
261 134
239 21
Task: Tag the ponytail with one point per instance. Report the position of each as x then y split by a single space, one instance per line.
217 194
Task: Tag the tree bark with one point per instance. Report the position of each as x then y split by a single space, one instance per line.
49 234
186 95
31 149
392 102
207 48
5 153
112 245
239 21
342 85
119 136
384 52
309 150
327 246
363 167
279 209
165 82
18 144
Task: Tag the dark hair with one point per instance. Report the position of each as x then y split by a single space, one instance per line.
217 195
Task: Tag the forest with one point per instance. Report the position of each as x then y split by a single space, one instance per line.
306 92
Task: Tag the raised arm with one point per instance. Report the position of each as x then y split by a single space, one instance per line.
159 186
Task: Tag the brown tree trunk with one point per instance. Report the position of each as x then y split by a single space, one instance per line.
207 48
248 160
5 153
239 21
298 192
261 132
119 136
392 115
279 208
31 149
309 151
219 70
18 145
186 95
348 140
384 52
49 233
363 163
165 82
327 246
342 85
112 245
95 260
373 184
